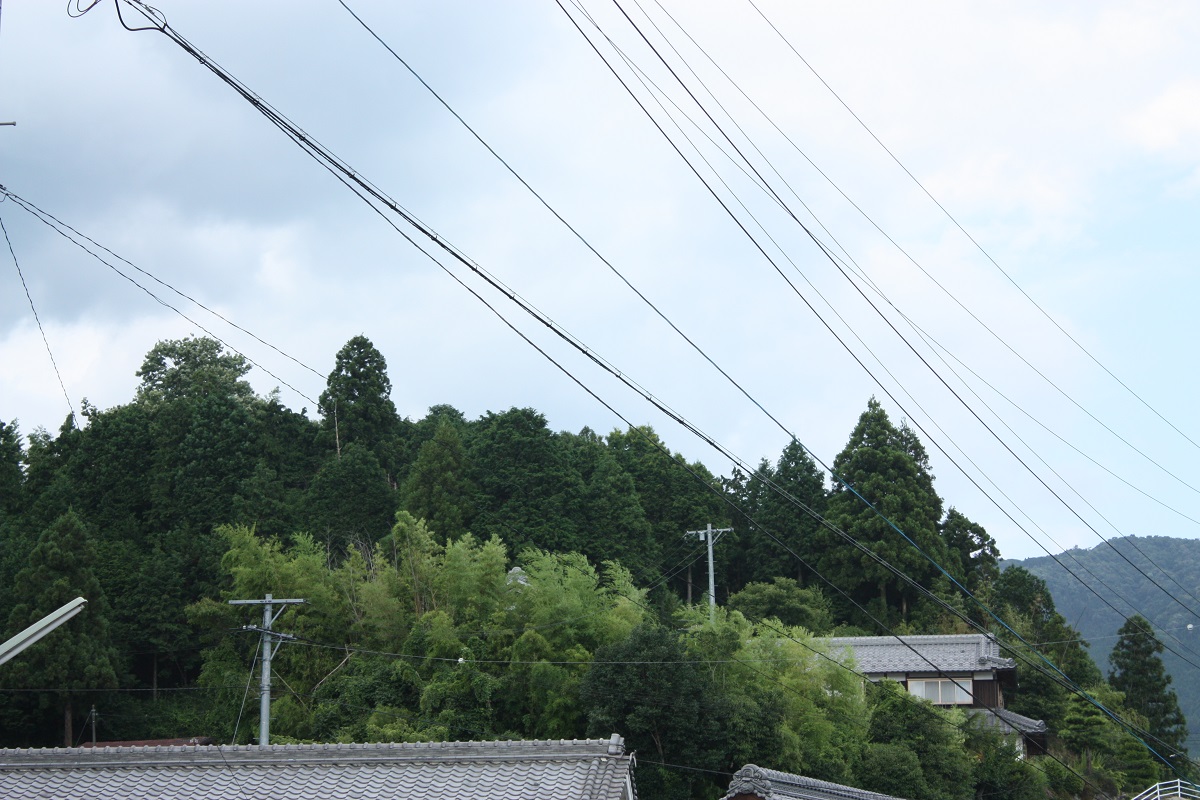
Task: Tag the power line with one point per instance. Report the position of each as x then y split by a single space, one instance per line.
713 443
908 256
824 249
972 239
162 26
36 318
833 260
761 183
373 195
58 227
29 206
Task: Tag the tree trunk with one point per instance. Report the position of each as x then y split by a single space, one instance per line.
68 731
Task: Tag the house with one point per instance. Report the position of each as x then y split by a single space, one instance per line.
596 769
964 670
755 783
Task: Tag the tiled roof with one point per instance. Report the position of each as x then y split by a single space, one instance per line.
153 742
520 770
771 784
879 655
1011 722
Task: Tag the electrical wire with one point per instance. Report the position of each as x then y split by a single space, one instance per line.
972 239
52 223
83 731
36 318
346 176
918 265
908 256
682 422
249 678
831 257
161 25
29 206
884 318
1062 681
836 478
510 661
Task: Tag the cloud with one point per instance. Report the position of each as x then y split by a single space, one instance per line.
1169 123
1044 129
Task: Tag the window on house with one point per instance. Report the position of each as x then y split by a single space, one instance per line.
942 692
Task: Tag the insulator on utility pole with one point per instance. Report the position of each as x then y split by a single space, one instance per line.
710 535
270 643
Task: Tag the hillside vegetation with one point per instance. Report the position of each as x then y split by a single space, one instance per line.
1115 570
492 578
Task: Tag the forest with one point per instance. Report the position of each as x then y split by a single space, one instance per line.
492 578
1145 589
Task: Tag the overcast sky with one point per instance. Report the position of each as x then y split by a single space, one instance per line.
1063 137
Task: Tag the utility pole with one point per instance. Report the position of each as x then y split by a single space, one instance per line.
270 643
710 536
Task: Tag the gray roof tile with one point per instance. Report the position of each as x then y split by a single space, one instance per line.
879 655
1010 721
771 784
549 770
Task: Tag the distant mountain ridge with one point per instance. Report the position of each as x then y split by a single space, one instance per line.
1172 604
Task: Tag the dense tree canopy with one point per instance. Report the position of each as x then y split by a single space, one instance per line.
350 499
10 470
676 496
79 659
437 488
664 702
493 577
192 368
938 750
1025 603
783 503
787 601
973 559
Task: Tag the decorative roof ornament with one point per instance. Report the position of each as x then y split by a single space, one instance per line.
750 779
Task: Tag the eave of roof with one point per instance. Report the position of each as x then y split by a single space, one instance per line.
1010 721
771 784
881 655
566 769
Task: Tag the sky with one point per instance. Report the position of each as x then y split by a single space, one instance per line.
1036 249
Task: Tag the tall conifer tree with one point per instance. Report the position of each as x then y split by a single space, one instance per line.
887 467
357 401
78 657
11 476
437 489
1137 670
